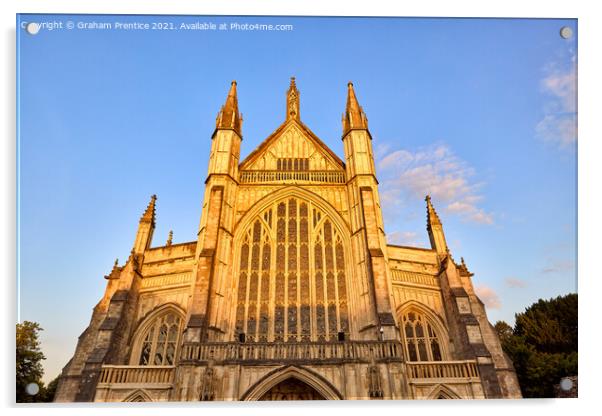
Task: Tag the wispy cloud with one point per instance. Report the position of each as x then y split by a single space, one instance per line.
560 129
404 238
559 124
488 296
515 282
558 266
433 170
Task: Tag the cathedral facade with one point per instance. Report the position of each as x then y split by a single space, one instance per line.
290 291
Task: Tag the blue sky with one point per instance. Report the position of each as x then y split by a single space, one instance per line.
480 113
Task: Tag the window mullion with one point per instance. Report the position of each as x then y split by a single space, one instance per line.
154 341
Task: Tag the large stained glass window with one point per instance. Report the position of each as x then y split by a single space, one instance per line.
291 278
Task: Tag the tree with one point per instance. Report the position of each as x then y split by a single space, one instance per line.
29 360
551 325
504 331
543 344
47 392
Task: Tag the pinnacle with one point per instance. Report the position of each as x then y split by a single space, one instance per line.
149 214
292 101
229 117
431 215
354 117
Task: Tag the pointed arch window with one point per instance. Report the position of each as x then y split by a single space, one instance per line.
291 276
421 338
160 339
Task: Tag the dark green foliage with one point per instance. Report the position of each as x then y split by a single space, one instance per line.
550 325
29 359
47 393
543 344
504 331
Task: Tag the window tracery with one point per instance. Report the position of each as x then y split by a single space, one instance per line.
421 339
301 295
160 340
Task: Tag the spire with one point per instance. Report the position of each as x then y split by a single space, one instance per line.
354 117
292 101
431 215
435 229
229 116
149 214
169 238
146 226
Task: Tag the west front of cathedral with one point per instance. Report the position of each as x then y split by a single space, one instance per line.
290 291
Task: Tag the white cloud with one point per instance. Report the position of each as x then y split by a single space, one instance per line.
488 296
560 129
562 84
470 211
392 159
404 238
515 282
481 217
381 150
458 207
559 124
434 170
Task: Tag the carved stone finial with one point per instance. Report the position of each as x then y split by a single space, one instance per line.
464 269
115 271
169 238
292 101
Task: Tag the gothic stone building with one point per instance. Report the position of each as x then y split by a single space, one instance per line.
290 290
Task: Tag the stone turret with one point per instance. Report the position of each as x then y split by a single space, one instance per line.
229 117
216 225
367 222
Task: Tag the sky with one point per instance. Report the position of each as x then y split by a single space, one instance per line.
478 113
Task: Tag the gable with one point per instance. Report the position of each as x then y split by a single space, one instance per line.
292 140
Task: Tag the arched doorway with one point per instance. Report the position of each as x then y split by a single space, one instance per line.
442 392
292 383
291 389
